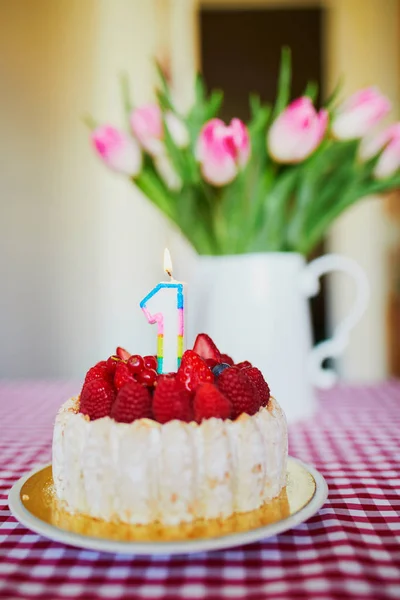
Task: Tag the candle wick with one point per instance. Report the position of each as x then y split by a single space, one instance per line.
169 272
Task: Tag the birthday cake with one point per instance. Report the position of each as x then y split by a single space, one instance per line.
138 447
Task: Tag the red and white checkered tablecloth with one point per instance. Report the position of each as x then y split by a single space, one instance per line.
350 549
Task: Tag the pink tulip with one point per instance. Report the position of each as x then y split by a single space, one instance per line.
359 113
297 131
147 126
222 150
117 149
388 143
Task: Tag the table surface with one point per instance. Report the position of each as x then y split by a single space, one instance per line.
350 549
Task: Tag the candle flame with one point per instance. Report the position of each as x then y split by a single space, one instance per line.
167 262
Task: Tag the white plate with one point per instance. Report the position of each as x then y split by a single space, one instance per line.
300 512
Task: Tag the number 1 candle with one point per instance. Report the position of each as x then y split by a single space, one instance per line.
165 305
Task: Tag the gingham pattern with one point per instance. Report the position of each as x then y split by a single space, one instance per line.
350 549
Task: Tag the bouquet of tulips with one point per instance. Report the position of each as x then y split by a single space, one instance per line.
276 183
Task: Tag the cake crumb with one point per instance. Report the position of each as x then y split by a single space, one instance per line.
256 469
174 498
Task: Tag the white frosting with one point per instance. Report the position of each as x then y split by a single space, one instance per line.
143 471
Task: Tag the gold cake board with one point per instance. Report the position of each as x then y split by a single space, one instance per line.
32 501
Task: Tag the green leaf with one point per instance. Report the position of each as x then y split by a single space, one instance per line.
164 101
283 82
324 178
90 122
153 187
255 104
276 205
380 186
199 88
176 155
259 121
213 104
164 93
335 93
163 80
126 94
311 91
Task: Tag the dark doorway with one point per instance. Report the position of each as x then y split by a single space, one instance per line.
240 54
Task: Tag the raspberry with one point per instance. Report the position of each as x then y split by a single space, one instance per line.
133 401
96 399
259 383
99 371
122 376
171 400
205 347
234 384
111 363
101 363
225 358
122 353
210 402
244 365
193 371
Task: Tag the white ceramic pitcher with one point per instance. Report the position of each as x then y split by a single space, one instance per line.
255 307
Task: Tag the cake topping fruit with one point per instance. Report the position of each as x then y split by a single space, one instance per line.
127 387
259 383
147 377
193 371
211 363
122 353
241 392
225 358
96 399
244 365
122 376
133 402
205 347
150 362
171 400
99 371
210 402
135 363
112 363
219 368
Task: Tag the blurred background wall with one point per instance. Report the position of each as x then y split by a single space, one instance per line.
80 247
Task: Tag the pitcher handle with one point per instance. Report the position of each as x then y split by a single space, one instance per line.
335 346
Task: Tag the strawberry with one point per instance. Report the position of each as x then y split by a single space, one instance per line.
238 388
133 401
122 375
99 371
122 353
211 363
96 399
171 400
210 402
259 383
244 365
225 358
205 347
193 371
